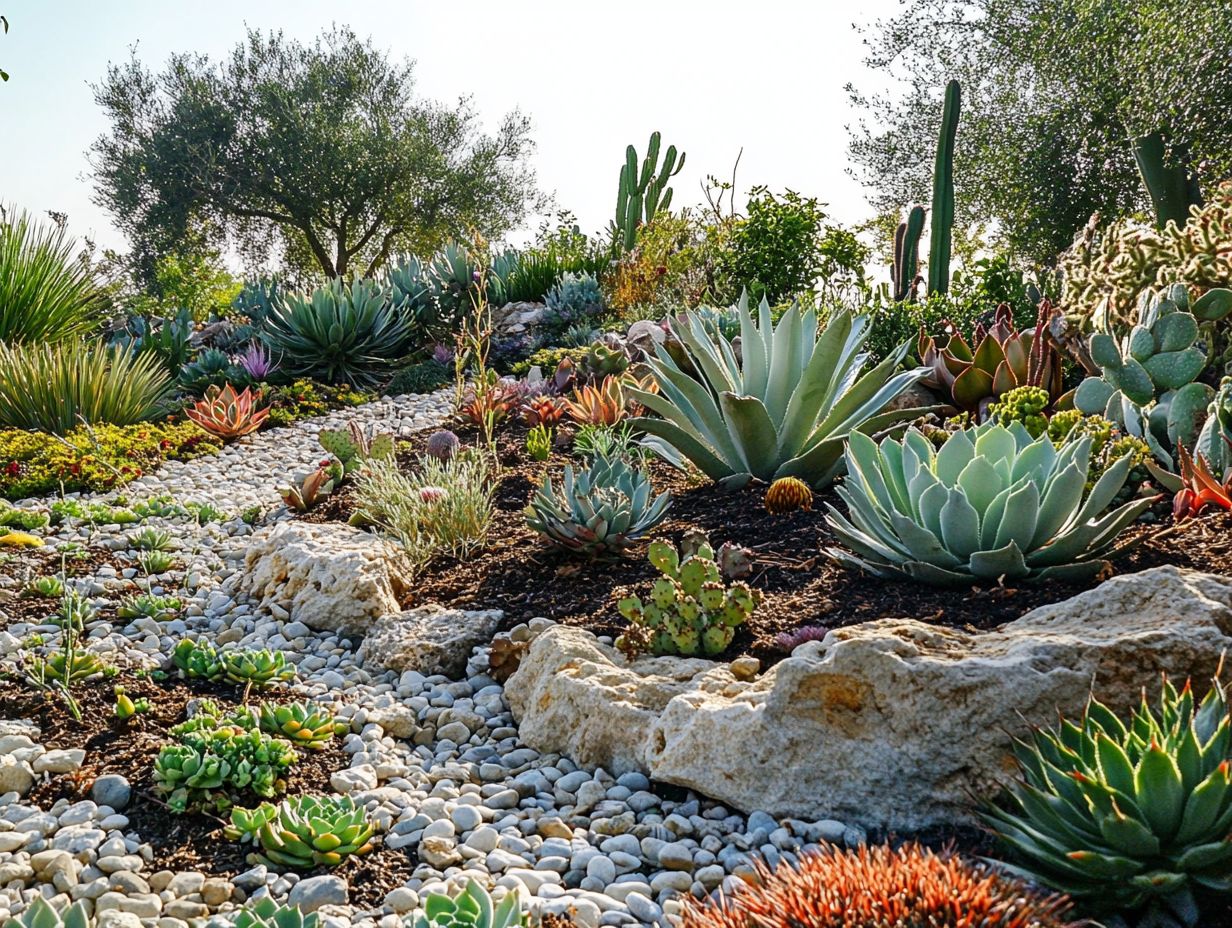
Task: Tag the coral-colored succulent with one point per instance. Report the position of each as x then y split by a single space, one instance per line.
881 887
490 401
608 403
1199 487
226 414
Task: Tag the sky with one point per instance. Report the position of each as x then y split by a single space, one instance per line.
765 76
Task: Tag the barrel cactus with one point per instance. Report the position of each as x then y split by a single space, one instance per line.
787 494
1128 816
993 502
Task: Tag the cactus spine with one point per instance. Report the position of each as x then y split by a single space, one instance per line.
643 194
941 233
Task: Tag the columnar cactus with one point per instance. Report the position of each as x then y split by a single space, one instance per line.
690 610
644 193
906 269
943 194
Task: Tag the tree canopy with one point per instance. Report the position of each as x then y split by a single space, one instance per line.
319 155
1066 105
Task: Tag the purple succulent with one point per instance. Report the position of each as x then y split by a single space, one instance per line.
256 362
789 641
442 354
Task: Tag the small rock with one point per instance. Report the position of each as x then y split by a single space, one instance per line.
316 891
111 790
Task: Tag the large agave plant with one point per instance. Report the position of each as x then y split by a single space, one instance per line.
785 409
1129 816
343 333
993 502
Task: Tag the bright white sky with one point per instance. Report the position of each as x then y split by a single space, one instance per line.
765 75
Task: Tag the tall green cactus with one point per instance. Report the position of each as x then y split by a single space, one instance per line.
941 234
907 253
643 194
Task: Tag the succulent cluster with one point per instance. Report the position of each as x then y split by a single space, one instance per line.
303 832
543 409
1130 815
471 908
785 410
304 724
226 414
599 511
1003 359
880 887
539 443
787 494
576 297
266 913
993 502
67 666
49 586
690 609
610 401
215 755
257 668
356 445
1215 440
40 914
607 356
1199 488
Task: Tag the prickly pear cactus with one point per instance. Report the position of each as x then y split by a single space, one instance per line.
690 610
1149 378
354 445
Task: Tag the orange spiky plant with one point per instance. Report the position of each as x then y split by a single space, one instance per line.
608 403
1199 487
881 887
226 414
545 409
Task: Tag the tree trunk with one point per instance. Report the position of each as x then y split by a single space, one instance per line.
1169 182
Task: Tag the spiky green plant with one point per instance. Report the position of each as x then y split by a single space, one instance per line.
25 520
471 908
49 587
56 388
47 293
1128 817
75 611
342 333
197 658
993 502
600 511
256 668
785 409
539 443
155 562
303 832
304 724
150 539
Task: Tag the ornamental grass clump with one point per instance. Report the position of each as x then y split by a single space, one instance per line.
56 388
1128 817
785 409
993 502
440 508
880 887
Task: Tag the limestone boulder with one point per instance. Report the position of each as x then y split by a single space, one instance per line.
429 639
331 577
892 723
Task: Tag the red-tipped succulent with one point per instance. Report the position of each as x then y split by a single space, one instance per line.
1200 488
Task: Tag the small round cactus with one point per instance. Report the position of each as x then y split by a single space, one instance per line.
787 494
442 445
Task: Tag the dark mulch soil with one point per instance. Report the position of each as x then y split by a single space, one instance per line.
180 842
519 573
31 563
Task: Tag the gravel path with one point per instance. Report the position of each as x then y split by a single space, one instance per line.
436 761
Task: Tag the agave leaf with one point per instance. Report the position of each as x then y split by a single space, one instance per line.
1001 562
960 524
757 440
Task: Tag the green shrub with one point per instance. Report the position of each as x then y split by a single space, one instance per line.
340 333
444 507
775 252
93 459
56 388
306 398
546 359
47 293
424 377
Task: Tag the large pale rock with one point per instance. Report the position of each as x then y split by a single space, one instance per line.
892 723
429 639
330 577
